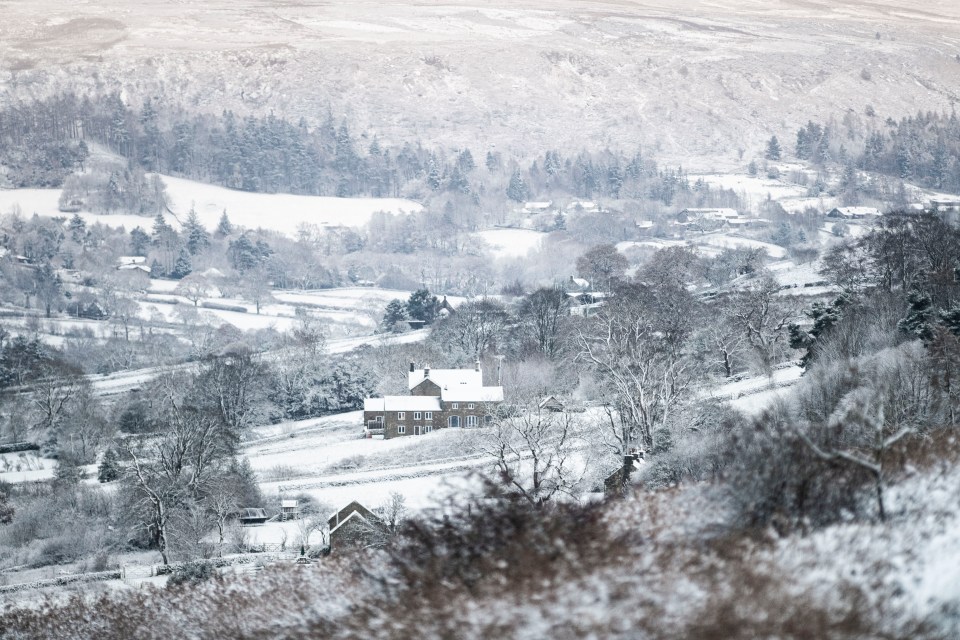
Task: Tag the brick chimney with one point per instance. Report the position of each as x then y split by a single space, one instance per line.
411 368
478 366
426 372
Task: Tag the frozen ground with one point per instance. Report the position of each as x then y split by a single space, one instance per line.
283 213
753 395
511 243
753 190
728 241
317 457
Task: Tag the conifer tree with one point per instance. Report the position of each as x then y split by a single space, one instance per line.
918 322
224 227
773 149
517 189
197 237
108 470
182 267
139 242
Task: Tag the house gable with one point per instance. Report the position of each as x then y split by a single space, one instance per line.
341 516
426 388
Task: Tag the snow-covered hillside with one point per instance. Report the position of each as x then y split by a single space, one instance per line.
697 79
279 212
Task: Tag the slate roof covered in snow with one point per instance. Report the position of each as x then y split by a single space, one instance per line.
471 394
720 213
853 212
402 403
353 514
446 377
456 385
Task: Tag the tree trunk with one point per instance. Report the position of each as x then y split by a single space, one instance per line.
880 506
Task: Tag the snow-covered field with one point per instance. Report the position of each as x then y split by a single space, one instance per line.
280 212
727 241
511 243
752 395
318 457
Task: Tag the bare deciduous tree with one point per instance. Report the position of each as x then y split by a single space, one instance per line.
172 467
532 450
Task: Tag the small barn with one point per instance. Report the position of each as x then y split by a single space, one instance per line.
355 525
250 516
853 213
289 510
551 403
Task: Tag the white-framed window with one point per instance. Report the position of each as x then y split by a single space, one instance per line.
470 406
416 415
401 415
428 415
380 419
401 429
455 405
471 421
427 428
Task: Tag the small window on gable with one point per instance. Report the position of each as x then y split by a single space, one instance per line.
401 429
401 415
416 415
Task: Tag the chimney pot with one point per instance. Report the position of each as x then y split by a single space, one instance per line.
478 366
426 372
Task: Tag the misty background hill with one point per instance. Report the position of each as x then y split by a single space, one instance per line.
698 81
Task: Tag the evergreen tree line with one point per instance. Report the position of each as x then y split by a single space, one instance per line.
922 149
43 142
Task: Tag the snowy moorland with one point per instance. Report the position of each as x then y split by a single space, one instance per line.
282 213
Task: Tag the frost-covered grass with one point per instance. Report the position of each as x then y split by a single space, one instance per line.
511 243
664 564
727 241
283 213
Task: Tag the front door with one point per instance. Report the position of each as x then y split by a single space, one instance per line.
453 422
416 429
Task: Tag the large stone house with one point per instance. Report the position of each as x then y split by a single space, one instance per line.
439 398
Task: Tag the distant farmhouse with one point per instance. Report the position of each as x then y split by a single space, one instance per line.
583 206
438 398
537 207
853 213
132 263
692 215
944 205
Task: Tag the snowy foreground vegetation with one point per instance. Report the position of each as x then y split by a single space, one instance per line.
667 564
539 320
821 505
